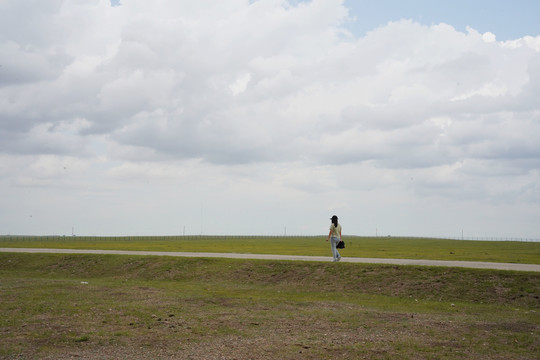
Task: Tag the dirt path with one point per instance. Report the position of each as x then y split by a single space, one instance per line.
465 264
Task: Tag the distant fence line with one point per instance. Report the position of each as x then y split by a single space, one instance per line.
247 237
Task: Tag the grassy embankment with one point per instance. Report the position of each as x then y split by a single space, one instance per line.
374 247
142 307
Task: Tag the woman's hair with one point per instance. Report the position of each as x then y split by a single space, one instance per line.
334 220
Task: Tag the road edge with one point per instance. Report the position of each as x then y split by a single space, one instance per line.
415 262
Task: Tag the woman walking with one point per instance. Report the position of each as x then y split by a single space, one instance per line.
335 237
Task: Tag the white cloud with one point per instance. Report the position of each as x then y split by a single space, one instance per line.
489 37
265 106
240 85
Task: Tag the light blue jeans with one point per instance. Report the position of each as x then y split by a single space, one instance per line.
335 253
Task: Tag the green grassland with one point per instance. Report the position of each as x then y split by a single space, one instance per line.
372 247
146 307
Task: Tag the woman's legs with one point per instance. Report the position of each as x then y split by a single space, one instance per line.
335 253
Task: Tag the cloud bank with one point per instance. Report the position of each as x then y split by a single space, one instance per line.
249 117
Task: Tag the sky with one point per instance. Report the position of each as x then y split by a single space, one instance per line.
267 117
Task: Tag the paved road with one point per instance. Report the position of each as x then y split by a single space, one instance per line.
465 264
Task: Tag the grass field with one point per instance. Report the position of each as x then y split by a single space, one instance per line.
143 307
374 247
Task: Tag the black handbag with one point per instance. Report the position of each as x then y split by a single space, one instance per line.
340 244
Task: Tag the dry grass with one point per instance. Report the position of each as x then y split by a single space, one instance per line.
158 307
